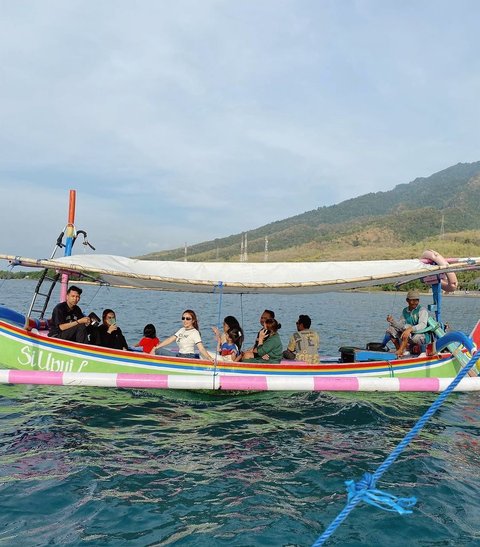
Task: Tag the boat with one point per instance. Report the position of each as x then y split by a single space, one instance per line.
28 355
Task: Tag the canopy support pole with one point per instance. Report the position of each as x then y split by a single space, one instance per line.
220 329
69 240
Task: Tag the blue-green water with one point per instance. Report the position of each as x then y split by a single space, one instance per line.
90 466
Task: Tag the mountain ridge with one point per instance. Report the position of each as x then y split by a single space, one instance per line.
385 224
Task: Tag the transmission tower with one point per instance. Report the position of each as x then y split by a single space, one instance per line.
442 228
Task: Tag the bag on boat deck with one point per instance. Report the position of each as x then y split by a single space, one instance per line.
376 346
347 354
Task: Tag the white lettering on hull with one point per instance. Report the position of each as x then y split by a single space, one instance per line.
43 360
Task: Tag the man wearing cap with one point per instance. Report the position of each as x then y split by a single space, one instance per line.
303 344
414 318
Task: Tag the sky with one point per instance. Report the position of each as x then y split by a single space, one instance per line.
182 121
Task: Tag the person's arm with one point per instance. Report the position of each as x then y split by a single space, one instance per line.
82 321
398 324
216 333
265 346
292 344
167 341
123 340
203 352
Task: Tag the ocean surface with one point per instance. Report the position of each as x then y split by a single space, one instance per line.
93 466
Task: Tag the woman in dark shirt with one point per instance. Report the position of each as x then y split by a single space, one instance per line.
109 334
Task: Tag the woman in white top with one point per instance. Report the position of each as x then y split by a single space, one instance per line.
188 339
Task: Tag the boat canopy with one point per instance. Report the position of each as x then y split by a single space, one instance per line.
244 277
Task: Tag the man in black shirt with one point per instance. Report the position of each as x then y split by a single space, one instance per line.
68 321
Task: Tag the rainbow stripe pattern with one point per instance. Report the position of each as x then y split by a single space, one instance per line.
24 350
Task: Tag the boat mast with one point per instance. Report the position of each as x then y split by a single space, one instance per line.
69 240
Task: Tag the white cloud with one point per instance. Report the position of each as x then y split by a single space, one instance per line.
190 120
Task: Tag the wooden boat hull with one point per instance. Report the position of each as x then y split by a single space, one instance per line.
24 350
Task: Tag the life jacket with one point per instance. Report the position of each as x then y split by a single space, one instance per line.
411 317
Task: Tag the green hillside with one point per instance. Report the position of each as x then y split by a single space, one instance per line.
398 223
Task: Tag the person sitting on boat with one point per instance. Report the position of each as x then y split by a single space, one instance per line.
230 349
188 339
304 344
149 340
68 321
414 318
229 322
251 353
108 334
269 347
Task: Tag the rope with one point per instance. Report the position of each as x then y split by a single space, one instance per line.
9 267
219 326
241 314
89 305
365 490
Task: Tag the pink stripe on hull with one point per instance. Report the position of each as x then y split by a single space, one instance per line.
335 384
419 384
36 377
246 383
142 380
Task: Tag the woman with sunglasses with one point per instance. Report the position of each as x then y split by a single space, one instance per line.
188 339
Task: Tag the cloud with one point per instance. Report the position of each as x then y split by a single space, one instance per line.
180 122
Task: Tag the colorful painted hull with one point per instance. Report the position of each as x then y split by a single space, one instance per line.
24 350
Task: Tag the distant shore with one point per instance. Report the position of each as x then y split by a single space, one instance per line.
470 294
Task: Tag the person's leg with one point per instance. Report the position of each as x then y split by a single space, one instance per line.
394 334
78 333
164 352
402 347
81 334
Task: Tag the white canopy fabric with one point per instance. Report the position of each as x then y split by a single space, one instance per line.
245 277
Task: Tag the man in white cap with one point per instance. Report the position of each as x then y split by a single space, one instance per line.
414 318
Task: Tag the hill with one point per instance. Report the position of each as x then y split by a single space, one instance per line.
438 212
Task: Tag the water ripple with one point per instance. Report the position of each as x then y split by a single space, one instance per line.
199 469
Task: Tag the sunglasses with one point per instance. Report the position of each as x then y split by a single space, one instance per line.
186 318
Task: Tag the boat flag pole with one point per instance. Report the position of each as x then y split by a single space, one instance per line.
69 240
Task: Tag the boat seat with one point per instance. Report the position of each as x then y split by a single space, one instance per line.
351 354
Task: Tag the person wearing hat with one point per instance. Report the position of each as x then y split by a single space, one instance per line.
414 318
303 344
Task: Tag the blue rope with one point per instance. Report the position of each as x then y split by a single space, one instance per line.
219 325
365 490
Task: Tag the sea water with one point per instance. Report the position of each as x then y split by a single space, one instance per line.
93 466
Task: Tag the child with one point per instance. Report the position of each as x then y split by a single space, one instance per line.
229 350
149 340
